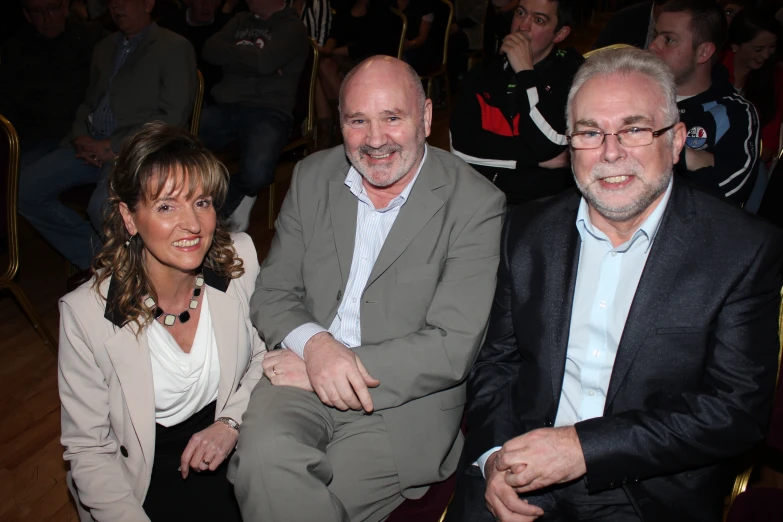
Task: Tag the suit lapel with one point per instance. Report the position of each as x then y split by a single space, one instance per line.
130 357
669 250
421 205
225 312
559 290
343 207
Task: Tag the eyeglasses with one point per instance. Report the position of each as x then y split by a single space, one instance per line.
631 137
50 10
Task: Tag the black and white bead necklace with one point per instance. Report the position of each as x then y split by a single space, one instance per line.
184 317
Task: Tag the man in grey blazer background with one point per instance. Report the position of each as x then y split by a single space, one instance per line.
378 286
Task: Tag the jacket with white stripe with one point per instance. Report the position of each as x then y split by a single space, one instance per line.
505 124
722 122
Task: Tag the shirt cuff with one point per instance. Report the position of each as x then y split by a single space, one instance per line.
482 460
297 339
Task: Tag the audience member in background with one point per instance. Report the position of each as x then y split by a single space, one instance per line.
44 72
152 401
497 23
632 347
732 7
140 74
508 122
317 17
721 149
417 49
755 73
634 25
392 246
262 53
200 20
466 34
360 31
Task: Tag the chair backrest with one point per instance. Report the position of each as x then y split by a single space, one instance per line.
444 10
9 183
403 30
304 106
195 117
588 54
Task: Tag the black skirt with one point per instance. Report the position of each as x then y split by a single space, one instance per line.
207 495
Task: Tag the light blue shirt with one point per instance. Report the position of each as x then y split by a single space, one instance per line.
372 228
606 283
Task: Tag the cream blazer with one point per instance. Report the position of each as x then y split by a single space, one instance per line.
107 395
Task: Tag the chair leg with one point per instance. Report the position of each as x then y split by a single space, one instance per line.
44 332
272 206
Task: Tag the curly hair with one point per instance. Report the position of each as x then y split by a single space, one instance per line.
146 162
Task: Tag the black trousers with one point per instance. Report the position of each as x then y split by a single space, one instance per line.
207 495
568 502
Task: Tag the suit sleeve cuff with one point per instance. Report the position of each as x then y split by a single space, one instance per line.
482 460
297 339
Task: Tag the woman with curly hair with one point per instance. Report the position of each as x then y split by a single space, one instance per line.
157 353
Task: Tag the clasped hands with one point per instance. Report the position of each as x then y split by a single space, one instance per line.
92 151
330 369
527 463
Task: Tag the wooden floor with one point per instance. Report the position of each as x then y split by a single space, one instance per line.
32 472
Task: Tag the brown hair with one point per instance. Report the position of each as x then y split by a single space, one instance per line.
146 162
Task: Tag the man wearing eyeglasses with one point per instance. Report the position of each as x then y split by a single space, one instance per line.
44 72
632 348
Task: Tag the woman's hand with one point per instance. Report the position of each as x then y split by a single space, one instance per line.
208 448
285 368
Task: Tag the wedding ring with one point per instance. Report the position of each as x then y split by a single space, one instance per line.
205 462
273 371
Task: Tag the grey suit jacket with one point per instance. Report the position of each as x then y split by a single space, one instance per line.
157 82
107 394
424 310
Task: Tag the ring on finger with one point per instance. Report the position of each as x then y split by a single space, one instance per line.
274 372
205 462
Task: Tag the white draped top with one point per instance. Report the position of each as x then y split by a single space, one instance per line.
184 383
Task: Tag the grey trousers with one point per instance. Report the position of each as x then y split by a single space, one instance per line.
298 460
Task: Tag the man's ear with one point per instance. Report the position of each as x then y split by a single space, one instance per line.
562 34
149 5
678 141
127 218
704 52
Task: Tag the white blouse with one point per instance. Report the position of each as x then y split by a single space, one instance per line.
184 383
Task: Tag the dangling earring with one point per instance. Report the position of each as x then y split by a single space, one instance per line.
127 243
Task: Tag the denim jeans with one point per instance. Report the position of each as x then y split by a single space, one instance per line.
40 185
262 133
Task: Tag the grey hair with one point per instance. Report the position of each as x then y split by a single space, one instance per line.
627 61
410 73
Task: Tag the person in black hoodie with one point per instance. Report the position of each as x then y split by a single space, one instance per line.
721 153
509 122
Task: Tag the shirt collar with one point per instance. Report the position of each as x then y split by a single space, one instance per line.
354 181
121 40
648 229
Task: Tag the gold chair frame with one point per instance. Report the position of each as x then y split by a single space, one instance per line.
195 118
307 136
588 54
403 32
741 481
7 279
442 70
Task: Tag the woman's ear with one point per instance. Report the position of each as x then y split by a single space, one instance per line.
127 218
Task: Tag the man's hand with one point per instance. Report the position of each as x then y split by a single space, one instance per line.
519 52
93 152
208 448
285 368
541 458
698 159
337 375
502 501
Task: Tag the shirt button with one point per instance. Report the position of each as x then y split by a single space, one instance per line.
602 304
596 353
353 300
614 254
591 393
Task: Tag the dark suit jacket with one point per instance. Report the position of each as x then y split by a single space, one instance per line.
157 82
628 26
695 369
